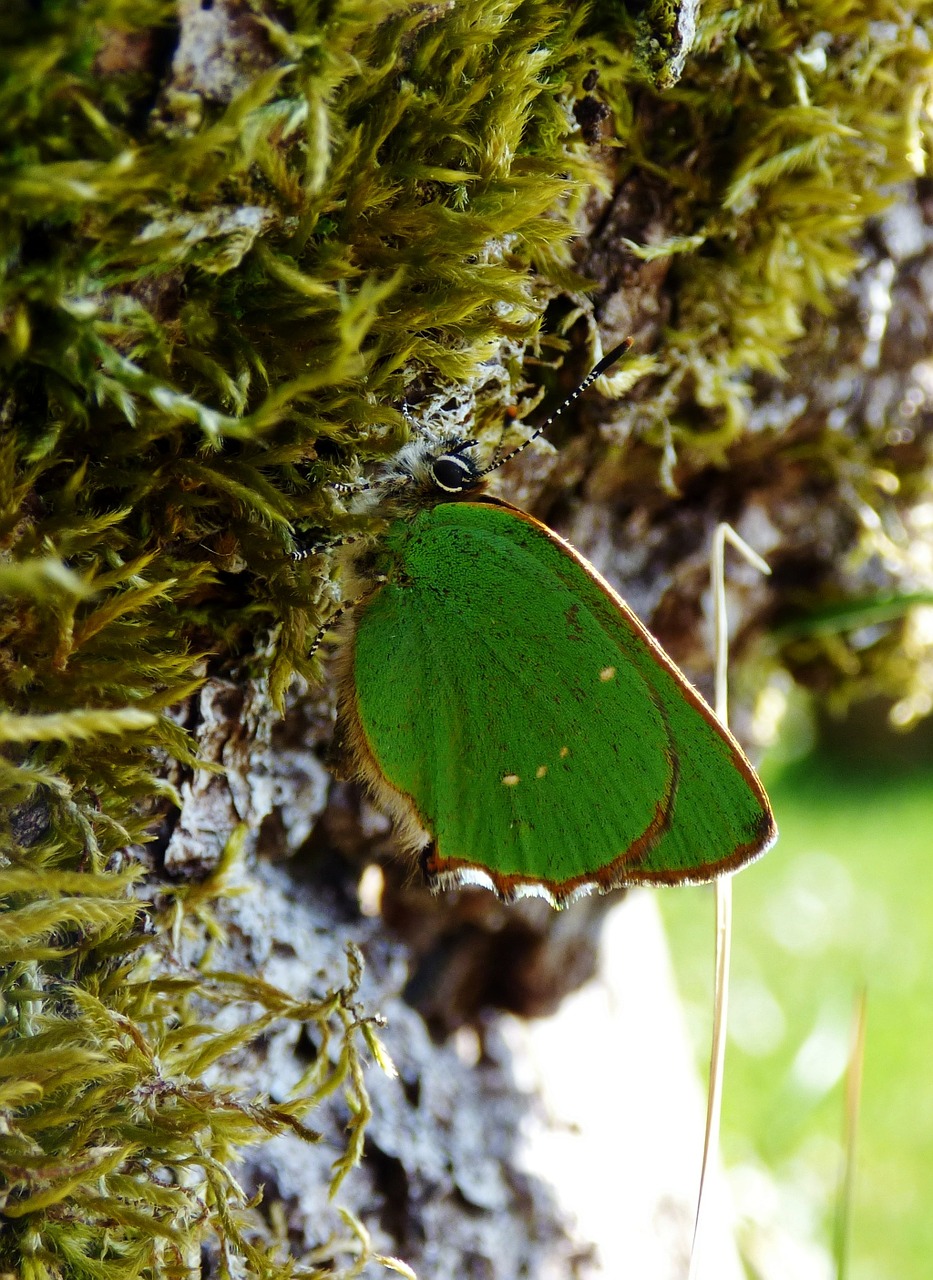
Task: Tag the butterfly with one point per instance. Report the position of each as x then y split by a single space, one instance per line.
508 709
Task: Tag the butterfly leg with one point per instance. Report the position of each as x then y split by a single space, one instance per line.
305 550
344 607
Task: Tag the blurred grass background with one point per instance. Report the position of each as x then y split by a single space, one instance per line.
844 901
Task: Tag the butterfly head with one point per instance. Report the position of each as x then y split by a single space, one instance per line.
426 470
454 470
437 466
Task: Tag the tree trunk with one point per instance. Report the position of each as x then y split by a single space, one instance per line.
239 238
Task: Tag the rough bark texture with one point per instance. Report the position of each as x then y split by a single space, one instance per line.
196 233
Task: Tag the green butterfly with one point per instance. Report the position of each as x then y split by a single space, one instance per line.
512 714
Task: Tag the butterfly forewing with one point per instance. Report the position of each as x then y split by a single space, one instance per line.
506 696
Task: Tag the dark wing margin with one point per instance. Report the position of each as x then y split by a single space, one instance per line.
705 793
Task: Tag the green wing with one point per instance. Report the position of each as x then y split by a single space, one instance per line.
538 734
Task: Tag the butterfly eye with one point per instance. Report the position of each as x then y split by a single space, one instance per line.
453 473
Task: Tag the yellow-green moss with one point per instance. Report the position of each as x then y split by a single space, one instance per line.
210 306
784 137
116 1158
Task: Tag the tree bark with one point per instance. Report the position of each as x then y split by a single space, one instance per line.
206 321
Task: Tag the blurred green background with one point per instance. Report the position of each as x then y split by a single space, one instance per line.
843 901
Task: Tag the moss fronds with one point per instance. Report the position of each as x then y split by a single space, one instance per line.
119 1137
220 277
785 136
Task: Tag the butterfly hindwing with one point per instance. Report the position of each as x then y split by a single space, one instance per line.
508 700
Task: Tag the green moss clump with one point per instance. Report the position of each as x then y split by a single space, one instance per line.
784 138
214 294
117 1157
209 303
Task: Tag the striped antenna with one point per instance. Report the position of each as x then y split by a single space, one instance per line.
606 363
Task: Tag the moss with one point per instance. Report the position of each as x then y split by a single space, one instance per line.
218 285
117 1155
780 144
209 303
